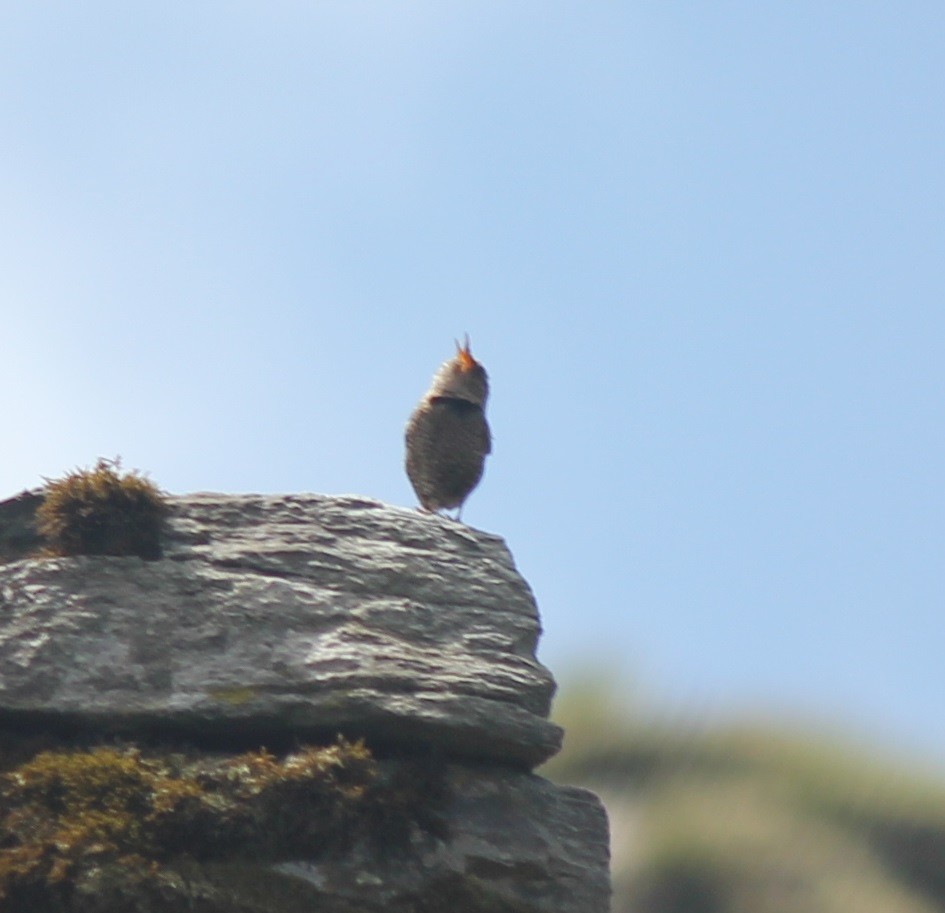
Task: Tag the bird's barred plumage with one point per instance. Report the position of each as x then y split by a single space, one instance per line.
448 436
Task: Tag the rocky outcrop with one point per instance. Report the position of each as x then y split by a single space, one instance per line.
287 619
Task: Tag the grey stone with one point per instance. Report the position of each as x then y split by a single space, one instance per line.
516 843
285 617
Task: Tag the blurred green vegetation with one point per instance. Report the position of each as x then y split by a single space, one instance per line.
750 818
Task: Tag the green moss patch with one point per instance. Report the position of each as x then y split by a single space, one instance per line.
71 818
99 511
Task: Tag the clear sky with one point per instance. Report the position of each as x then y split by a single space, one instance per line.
700 248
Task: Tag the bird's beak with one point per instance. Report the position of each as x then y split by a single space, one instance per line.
466 360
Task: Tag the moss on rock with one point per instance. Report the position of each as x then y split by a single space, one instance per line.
101 512
123 819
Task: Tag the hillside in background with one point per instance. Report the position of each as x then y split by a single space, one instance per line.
751 818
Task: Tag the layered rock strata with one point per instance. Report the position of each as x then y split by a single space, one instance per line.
278 620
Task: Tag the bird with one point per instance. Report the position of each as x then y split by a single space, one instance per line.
447 436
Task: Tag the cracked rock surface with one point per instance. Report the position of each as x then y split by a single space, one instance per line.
286 615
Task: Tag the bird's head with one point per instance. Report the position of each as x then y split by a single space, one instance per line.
462 377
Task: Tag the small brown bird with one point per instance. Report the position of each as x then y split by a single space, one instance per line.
448 436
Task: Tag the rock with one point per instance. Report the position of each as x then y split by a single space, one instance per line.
283 617
327 829
18 536
517 843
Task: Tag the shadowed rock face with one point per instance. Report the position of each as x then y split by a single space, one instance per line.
18 536
517 843
279 619
293 615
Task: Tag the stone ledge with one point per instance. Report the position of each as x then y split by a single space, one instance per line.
287 616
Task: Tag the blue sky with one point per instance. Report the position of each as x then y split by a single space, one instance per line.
699 248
